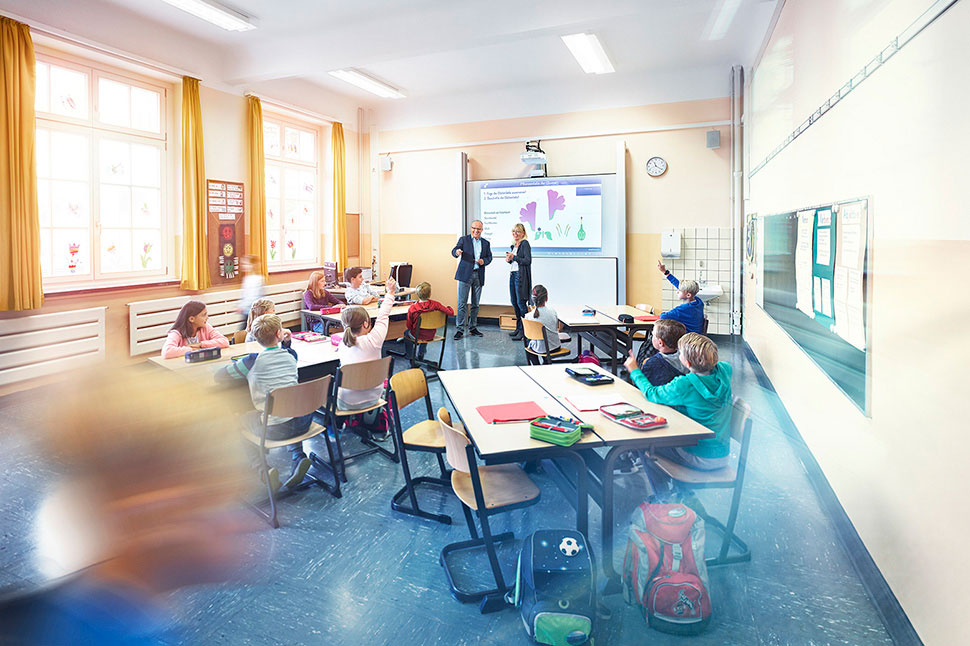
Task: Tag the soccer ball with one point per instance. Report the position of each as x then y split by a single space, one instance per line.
569 546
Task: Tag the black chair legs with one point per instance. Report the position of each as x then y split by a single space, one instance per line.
408 491
729 539
467 596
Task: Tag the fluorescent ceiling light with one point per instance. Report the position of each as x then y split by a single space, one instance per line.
214 13
718 27
365 82
588 51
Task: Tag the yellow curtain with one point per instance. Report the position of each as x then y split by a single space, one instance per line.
21 283
195 265
257 185
339 197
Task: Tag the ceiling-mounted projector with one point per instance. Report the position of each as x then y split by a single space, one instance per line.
533 157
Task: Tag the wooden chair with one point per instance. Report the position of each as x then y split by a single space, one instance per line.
726 478
239 336
430 321
704 325
406 388
359 376
293 401
534 330
395 335
486 490
640 335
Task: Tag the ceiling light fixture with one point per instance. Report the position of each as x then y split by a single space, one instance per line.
588 51
720 22
215 13
365 82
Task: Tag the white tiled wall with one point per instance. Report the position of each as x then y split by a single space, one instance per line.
705 256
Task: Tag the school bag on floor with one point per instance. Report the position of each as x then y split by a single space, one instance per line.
554 587
588 357
664 570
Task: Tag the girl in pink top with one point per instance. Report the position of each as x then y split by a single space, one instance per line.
363 342
191 332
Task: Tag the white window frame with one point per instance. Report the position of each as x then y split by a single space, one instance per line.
284 162
96 131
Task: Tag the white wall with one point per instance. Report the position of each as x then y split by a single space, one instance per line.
900 138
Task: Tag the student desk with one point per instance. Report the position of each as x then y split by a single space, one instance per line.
330 320
313 360
680 431
603 329
503 443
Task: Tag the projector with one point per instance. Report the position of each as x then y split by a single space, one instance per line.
533 157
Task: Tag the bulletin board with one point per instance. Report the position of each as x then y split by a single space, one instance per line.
815 283
224 217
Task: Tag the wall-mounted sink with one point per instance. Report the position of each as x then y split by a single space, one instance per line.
710 292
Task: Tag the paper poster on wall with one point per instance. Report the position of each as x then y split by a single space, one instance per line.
841 284
851 242
823 247
851 229
826 308
803 262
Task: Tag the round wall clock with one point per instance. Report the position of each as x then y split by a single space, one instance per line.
656 166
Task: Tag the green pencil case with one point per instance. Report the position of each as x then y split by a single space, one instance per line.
557 430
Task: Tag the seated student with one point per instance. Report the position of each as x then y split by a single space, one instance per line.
260 307
274 367
665 366
316 297
691 311
362 342
550 320
424 304
358 292
704 395
191 332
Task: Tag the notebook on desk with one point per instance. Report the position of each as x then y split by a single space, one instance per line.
513 412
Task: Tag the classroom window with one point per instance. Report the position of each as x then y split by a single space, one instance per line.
101 180
292 193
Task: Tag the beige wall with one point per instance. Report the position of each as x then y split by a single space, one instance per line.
900 138
419 198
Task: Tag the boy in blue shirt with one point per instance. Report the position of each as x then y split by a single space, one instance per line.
274 367
691 311
704 395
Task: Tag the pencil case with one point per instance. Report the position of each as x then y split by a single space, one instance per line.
557 430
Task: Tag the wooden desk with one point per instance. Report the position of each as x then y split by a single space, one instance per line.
311 357
598 329
329 320
502 443
680 431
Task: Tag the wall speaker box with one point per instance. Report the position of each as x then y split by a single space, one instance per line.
713 138
386 163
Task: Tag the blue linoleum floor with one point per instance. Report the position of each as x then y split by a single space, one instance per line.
351 571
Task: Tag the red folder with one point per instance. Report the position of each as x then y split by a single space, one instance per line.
516 412
647 317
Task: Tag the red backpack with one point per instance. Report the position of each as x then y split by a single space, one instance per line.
588 357
664 570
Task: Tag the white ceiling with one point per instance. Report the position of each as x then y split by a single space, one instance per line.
457 60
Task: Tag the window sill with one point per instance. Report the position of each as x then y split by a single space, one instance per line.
312 266
61 290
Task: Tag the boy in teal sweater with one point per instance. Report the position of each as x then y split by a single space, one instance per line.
703 394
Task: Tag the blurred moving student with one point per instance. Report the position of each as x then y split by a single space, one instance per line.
424 304
191 331
252 285
146 502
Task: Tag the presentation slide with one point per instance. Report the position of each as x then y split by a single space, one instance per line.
559 213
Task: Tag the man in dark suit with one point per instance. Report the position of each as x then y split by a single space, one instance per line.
474 253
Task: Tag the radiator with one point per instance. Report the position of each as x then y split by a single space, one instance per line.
45 344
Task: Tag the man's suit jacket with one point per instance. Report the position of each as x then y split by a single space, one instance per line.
467 259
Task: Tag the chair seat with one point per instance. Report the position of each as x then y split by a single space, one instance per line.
502 485
357 411
315 429
425 434
437 338
558 352
680 473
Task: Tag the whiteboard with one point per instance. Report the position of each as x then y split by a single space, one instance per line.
570 281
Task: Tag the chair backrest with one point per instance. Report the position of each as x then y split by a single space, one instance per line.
532 328
239 336
364 375
455 442
409 386
704 325
432 320
396 329
299 399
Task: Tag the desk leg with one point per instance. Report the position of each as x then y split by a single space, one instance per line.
611 583
582 498
613 353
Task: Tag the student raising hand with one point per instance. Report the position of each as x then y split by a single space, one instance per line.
631 363
390 286
661 267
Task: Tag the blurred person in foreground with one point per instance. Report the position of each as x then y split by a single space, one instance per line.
147 504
